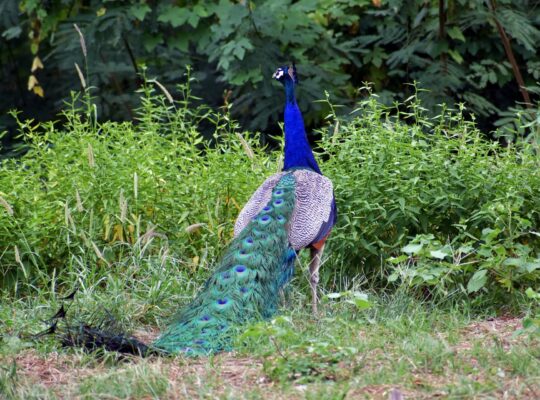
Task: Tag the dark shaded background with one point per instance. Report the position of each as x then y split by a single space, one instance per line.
454 48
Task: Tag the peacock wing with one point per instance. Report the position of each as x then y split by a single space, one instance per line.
256 203
313 214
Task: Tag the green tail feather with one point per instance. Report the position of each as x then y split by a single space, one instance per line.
244 287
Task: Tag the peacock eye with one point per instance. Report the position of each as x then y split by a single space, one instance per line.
240 268
279 73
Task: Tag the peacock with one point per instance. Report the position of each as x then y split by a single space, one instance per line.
292 210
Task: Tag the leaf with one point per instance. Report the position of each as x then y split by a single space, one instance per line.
175 16
515 262
140 10
531 294
420 16
398 259
180 42
465 249
439 254
36 64
412 248
532 266
456 56
38 90
150 42
361 300
32 81
333 295
12 33
456 34
34 47
200 10
193 20
361 304
477 281
489 234
239 52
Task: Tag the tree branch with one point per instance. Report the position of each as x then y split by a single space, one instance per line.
442 33
510 55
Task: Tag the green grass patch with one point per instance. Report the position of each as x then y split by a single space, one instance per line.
397 344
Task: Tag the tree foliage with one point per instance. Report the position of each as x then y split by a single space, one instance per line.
451 47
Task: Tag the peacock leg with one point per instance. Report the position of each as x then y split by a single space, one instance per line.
314 264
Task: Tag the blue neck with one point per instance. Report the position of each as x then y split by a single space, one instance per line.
298 153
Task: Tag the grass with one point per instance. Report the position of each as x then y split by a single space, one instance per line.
397 344
431 271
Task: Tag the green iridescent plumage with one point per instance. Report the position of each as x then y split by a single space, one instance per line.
244 287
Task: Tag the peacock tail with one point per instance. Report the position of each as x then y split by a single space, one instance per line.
291 210
246 284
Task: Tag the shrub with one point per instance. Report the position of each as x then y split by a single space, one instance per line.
470 206
424 202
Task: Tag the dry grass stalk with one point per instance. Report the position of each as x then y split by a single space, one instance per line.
122 202
17 255
194 227
280 164
165 91
80 207
135 185
336 132
6 205
90 154
164 256
81 39
245 146
99 253
81 76
19 261
67 214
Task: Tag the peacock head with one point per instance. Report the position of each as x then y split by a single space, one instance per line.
286 74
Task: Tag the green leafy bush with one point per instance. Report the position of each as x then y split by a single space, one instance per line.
90 193
426 203
471 206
